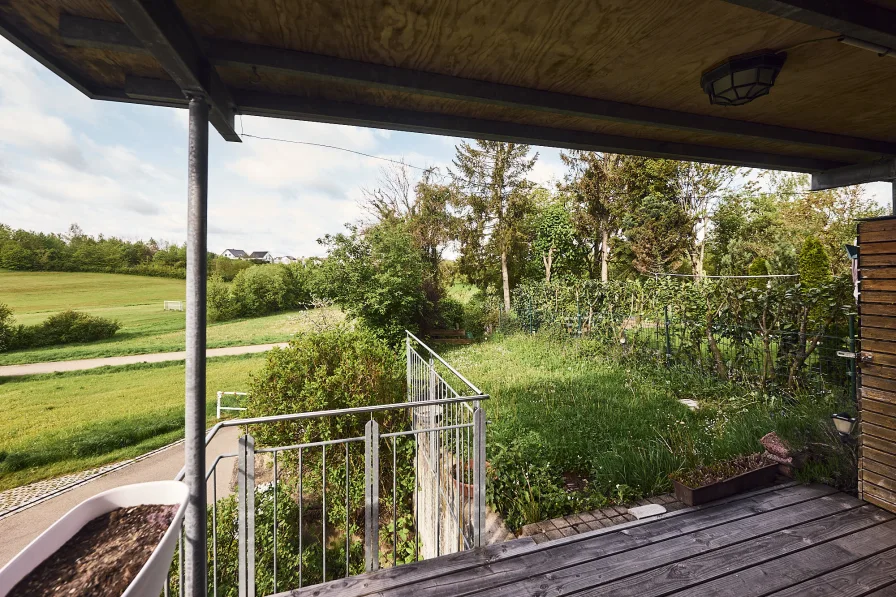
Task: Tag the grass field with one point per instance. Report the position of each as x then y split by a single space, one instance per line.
136 302
57 424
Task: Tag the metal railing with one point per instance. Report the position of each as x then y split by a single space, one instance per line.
219 406
408 484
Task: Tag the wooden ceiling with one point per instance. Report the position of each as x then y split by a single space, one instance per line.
616 75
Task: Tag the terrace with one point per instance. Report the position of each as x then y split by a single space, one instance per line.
620 76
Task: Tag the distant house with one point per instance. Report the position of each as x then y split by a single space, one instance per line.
235 254
286 259
262 256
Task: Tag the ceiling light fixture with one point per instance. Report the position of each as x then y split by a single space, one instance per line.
741 79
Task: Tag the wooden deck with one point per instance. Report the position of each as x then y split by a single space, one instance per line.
784 541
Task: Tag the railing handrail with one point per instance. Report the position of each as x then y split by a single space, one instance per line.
329 413
444 362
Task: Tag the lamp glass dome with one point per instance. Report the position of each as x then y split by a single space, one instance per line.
741 79
843 422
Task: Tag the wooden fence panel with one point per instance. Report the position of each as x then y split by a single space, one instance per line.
877 365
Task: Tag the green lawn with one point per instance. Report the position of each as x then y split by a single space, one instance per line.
563 407
136 302
62 423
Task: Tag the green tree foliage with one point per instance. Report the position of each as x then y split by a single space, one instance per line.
554 240
814 264
337 368
493 204
260 290
376 276
596 183
7 328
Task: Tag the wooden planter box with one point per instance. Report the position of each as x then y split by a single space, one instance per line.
721 489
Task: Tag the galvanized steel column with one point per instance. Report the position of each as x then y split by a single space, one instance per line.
194 448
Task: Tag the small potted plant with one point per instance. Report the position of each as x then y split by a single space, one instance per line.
716 481
119 542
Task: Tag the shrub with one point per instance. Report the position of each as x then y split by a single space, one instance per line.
376 276
65 328
7 328
337 368
219 300
450 313
814 264
259 290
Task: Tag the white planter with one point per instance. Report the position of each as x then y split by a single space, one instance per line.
151 578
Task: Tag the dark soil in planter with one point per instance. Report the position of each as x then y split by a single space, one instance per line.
707 475
103 557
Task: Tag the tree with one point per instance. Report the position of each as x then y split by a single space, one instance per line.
425 212
596 182
493 203
696 187
652 219
376 276
554 236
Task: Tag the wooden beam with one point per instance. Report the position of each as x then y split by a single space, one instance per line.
79 31
855 18
854 174
259 103
64 71
163 31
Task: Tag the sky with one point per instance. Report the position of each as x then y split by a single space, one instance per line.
120 170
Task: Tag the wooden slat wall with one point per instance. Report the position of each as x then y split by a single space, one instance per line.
877 370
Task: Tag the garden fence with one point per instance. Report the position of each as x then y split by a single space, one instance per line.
665 321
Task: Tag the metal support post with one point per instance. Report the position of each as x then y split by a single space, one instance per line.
194 424
246 516
478 476
371 496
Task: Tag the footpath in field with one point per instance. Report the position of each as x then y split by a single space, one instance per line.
159 357
30 518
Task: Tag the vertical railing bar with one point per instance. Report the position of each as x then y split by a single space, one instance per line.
275 521
301 528
323 539
180 567
437 458
458 487
371 496
416 495
478 475
215 531
348 533
394 504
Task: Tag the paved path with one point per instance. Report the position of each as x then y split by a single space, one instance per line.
19 528
159 357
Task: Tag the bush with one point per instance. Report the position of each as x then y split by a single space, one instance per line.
450 313
376 276
814 264
66 328
338 368
7 328
219 300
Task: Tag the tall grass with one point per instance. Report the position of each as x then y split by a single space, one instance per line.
565 406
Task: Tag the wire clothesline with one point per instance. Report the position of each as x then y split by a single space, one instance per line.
433 170
658 274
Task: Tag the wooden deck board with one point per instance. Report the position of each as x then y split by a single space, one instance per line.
788 539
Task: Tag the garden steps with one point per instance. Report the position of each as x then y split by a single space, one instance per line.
584 522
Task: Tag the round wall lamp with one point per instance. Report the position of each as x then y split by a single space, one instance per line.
741 79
